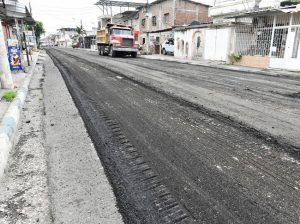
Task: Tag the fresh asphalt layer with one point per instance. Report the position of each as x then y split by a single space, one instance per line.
170 161
269 104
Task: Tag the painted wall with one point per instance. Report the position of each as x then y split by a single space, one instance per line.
151 41
189 44
217 43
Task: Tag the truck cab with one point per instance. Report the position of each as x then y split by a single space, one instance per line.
116 40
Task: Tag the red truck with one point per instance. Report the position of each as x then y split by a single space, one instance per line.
116 40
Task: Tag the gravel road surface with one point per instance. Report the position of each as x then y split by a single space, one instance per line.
184 144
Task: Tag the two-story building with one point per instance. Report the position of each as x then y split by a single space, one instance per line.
158 18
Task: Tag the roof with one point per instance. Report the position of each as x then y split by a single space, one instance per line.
289 9
9 10
192 1
119 3
29 20
159 31
183 28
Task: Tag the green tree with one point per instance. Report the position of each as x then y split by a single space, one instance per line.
80 30
38 28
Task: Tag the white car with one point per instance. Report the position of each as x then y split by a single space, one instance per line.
168 46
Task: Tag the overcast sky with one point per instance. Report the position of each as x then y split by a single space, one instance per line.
56 14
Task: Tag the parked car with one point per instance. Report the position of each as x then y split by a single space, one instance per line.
168 46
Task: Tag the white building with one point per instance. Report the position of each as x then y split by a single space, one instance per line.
64 37
265 33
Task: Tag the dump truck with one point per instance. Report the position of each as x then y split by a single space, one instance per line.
115 40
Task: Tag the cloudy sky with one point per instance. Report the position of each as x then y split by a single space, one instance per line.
56 14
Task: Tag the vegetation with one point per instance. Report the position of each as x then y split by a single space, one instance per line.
235 57
80 30
38 28
9 95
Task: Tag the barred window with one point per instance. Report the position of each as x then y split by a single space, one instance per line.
153 20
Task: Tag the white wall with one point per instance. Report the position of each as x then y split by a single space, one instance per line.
185 43
217 43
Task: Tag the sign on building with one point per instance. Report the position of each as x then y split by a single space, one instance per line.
14 55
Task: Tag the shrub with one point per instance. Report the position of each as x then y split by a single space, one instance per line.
235 57
9 95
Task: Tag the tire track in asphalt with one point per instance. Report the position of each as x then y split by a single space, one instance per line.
220 145
141 196
268 112
226 120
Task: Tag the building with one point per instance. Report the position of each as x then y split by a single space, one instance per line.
189 41
264 33
64 37
128 18
158 18
13 17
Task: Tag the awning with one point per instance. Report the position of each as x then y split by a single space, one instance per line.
28 19
9 10
291 10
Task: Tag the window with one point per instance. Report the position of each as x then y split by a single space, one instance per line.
153 20
143 22
166 17
121 32
198 41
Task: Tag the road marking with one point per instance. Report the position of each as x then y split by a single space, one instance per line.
119 77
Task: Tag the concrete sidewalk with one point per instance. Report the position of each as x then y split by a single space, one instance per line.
223 65
53 173
18 79
10 111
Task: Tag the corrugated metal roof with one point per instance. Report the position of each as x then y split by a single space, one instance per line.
119 3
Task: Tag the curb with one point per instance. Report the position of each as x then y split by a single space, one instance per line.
223 67
10 120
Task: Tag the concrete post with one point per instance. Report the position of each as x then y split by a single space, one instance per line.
5 73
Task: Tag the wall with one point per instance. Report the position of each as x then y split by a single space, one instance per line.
217 43
254 61
187 12
157 10
189 44
151 41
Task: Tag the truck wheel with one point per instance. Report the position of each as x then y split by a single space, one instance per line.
134 54
164 51
113 54
99 50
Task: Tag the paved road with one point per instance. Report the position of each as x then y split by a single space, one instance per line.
170 159
268 104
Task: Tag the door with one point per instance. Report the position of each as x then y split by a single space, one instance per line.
285 49
292 51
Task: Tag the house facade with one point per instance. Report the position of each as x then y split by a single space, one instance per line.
13 17
159 18
265 33
128 18
64 37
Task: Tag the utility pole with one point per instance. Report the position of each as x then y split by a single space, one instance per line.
5 73
26 48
